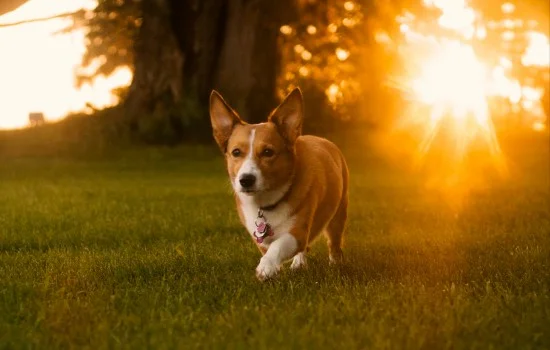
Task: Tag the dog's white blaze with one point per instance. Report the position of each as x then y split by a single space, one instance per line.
249 166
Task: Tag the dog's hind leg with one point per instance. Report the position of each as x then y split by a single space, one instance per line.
335 231
299 261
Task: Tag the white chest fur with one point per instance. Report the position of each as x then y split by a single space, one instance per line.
279 219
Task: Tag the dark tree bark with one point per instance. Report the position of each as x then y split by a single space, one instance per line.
186 48
157 81
199 26
249 60
235 76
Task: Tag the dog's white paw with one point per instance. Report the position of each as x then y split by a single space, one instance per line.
299 261
266 269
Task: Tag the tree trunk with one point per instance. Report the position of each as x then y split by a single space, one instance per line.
235 78
157 82
266 62
250 62
188 47
199 26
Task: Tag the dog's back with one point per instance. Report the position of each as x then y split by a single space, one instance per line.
321 187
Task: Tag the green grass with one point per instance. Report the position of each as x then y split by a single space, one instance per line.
144 249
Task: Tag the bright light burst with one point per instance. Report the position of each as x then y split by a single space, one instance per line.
453 76
538 51
461 66
456 15
462 73
453 82
456 85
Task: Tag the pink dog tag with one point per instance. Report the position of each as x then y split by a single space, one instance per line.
263 229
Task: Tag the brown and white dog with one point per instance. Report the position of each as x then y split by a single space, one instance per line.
288 188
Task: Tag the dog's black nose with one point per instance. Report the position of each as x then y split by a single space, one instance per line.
247 180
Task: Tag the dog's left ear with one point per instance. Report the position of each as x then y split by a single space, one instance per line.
288 117
223 119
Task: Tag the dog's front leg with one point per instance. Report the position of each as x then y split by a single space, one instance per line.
280 250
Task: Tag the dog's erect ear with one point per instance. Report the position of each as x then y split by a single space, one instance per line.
289 116
223 119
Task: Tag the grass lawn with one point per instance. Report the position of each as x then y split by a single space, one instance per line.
143 249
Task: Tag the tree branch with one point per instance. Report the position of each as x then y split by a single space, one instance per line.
42 19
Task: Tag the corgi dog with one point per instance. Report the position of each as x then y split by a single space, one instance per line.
288 188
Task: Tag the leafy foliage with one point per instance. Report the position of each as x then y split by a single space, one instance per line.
112 28
346 50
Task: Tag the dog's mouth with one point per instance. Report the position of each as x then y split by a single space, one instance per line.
248 191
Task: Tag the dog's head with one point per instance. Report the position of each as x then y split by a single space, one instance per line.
260 157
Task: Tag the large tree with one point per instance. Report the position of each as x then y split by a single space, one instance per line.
185 48
179 51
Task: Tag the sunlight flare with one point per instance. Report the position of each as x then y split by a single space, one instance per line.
456 85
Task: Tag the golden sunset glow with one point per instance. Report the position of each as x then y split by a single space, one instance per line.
454 83
457 84
462 66
453 76
37 66
538 51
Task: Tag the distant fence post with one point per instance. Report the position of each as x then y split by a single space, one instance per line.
36 118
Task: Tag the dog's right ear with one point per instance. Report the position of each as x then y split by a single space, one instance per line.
288 117
223 119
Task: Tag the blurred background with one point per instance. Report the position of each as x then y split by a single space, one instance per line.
142 70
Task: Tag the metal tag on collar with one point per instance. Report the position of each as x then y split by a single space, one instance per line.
263 229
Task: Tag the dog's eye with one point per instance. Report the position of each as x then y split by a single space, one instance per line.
268 152
236 152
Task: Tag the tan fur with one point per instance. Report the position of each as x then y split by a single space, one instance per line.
314 167
275 169
320 193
